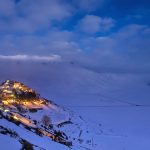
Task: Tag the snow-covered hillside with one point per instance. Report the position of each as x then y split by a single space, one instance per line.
114 107
28 111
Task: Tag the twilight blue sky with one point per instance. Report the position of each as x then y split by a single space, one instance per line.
108 34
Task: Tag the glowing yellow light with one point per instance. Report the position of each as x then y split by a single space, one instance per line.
6 110
5 102
15 117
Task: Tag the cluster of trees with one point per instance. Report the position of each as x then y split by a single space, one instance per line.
25 95
26 145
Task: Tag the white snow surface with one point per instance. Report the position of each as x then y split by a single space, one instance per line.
114 106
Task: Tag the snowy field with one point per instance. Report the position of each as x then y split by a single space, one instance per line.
116 106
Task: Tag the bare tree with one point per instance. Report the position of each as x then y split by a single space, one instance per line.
46 120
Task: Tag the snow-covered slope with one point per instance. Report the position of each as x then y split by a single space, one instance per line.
114 106
27 110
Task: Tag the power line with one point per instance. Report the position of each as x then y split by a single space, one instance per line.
110 99
107 106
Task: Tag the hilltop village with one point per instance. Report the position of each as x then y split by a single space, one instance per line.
22 105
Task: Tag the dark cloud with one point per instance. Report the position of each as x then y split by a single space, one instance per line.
127 49
29 16
7 8
54 42
93 24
